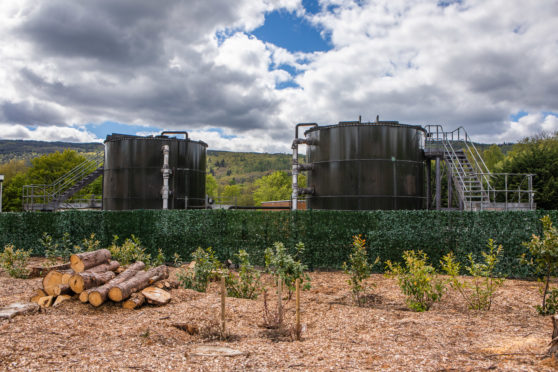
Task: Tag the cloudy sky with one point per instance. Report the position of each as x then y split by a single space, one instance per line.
239 74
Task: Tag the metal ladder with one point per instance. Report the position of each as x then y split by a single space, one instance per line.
50 197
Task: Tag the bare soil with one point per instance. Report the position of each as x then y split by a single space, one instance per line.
337 335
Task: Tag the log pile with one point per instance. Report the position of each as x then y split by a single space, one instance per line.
92 277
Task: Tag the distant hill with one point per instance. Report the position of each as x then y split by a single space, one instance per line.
20 149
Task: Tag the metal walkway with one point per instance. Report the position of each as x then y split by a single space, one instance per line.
54 196
476 187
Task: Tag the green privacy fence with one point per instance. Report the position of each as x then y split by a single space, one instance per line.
326 234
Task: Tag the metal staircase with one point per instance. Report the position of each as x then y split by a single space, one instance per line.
54 196
477 188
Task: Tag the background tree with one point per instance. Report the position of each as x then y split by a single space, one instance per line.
276 186
211 186
492 156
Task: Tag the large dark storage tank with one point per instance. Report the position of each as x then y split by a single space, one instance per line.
133 179
363 166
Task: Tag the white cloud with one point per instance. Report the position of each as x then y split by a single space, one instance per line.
473 63
46 133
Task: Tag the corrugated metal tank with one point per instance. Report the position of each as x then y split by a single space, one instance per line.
132 177
364 166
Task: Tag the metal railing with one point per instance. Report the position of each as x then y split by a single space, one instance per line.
47 197
477 187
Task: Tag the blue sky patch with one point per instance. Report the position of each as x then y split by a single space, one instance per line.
311 6
291 32
110 127
518 115
222 133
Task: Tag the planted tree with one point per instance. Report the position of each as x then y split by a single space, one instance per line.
544 258
286 268
245 284
14 261
480 292
358 269
205 268
417 279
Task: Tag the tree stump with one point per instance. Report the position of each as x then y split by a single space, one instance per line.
156 296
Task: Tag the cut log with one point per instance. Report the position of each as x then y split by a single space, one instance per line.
84 296
61 299
99 295
45 301
156 296
66 277
142 279
38 294
135 301
62 289
52 280
111 266
17 308
83 261
553 350
167 284
79 282
36 271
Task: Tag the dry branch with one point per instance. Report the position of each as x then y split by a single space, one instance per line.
83 261
99 295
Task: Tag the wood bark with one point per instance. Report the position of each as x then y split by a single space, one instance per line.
79 282
52 280
136 300
142 279
111 266
156 296
83 261
62 289
99 295
553 350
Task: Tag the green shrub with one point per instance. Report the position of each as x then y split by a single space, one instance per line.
131 251
417 280
359 269
480 292
551 304
15 261
206 267
90 244
245 284
282 266
544 257
58 250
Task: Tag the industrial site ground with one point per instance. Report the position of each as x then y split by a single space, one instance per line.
337 336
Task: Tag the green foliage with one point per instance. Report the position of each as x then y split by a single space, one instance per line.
492 156
58 250
544 255
211 185
276 186
358 269
206 267
245 284
14 261
283 266
417 279
551 305
132 250
90 244
480 292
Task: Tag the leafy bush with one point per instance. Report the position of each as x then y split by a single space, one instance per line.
90 244
245 284
418 280
544 258
551 304
131 251
205 268
480 293
15 261
359 269
282 266
58 250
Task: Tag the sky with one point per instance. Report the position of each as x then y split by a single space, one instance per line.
240 74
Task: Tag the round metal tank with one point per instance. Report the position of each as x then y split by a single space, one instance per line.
364 166
133 178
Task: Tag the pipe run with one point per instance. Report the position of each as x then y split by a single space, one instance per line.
166 174
296 167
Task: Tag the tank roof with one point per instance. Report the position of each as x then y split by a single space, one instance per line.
358 123
119 137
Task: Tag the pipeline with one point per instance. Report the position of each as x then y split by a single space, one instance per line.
166 174
296 167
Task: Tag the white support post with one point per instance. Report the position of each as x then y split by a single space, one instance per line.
166 174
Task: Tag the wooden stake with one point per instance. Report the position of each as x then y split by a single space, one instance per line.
280 301
223 297
297 309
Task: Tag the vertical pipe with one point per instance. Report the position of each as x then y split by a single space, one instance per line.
438 185
166 172
294 196
428 184
450 189
530 185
